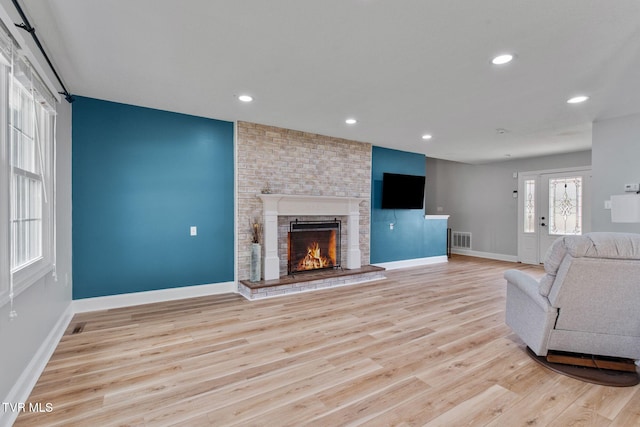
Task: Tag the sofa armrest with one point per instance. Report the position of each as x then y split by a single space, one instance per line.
529 286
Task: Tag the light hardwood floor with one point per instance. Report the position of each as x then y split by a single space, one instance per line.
426 346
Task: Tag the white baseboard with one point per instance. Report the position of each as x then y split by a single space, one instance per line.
488 255
161 295
24 385
415 262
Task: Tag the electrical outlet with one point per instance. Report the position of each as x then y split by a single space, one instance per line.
391 225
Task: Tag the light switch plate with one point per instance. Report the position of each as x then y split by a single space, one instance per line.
193 230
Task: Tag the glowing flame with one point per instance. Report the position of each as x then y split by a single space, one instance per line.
313 259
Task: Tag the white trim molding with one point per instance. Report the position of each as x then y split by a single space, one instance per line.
488 255
138 298
415 262
437 216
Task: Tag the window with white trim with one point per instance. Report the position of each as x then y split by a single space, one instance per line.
27 190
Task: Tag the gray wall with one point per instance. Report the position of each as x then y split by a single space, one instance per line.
480 200
41 305
616 158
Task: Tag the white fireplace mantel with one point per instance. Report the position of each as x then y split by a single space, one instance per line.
275 205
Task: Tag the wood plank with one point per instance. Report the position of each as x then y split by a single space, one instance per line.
596 362
478 410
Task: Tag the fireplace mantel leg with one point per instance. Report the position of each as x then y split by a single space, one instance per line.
271 260
353 240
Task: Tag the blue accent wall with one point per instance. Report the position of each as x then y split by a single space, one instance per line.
412 236
141 178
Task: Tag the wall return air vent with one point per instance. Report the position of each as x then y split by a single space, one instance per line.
461 240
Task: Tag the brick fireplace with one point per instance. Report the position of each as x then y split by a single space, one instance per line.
292 162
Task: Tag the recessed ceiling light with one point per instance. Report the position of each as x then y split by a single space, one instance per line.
427 136
351 121
502 59
245 98
577 99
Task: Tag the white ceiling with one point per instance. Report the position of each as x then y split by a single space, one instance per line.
402 68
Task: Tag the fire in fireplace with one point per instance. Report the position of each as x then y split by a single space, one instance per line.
313 245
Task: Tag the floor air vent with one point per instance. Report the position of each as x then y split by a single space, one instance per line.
461 240
78 328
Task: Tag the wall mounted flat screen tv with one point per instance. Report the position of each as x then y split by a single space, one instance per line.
402 191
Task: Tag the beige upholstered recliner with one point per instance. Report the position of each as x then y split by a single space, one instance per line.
588 301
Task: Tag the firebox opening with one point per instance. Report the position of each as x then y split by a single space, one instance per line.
313 245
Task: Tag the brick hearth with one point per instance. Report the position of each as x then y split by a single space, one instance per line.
308 281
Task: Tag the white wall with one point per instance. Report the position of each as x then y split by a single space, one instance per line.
480 200
616 162
43 304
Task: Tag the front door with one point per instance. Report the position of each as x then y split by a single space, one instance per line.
551 205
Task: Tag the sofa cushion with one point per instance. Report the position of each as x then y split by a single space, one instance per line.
552 260
604 245
554 256
545 284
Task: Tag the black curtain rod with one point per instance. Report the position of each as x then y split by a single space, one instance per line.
28 28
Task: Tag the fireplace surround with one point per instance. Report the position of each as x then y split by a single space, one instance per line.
275 205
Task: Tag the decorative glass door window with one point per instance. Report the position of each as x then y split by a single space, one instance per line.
565 206
530 206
